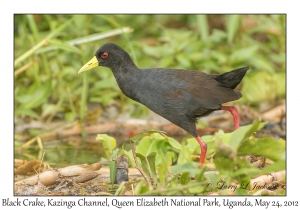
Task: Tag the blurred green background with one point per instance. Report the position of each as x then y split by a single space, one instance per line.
50 49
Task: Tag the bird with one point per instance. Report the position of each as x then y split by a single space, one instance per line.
180 96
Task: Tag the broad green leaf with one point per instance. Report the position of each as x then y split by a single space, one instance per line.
148 164
163 166
277 166
224 158
248 171
141 188
144 164
244 132
174 143
109 143
145 145
266 147
143 134
185 155
155 143
129 155
194 147
188 167
185 178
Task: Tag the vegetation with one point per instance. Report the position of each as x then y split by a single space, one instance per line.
50 50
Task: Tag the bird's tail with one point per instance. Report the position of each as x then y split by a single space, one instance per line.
232 78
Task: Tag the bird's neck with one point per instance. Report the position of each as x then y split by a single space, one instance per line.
123 72
128 77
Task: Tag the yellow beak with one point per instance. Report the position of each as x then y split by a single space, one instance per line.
89 65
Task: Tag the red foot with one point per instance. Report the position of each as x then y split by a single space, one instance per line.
203 149
233 110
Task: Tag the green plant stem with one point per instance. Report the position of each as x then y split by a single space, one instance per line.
137 165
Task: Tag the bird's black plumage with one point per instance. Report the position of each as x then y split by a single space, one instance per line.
181 96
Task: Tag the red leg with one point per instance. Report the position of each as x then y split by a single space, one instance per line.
203 149
233 110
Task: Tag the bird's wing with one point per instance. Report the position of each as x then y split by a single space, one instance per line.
191 92
200 92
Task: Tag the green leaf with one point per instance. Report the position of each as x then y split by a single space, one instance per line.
277 166
174 143
129 155
244 132
48 109
188 167
141 188
148 164
259 87
33 27
183 61
185 178
89 38
262 64
232 26
185 155
244 54
194 147
280 81
27 112
109 143
203 26
146 145
43 42
35 99
143 134
248 171
266 147
114 154
64 46
112 171
120 189
224 158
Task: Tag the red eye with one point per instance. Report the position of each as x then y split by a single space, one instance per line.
104 55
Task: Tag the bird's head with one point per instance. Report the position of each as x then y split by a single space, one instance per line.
109 55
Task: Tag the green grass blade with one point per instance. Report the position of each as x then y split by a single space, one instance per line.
84 94
232 26
64 46
33 27
90 38
41 43
202 24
